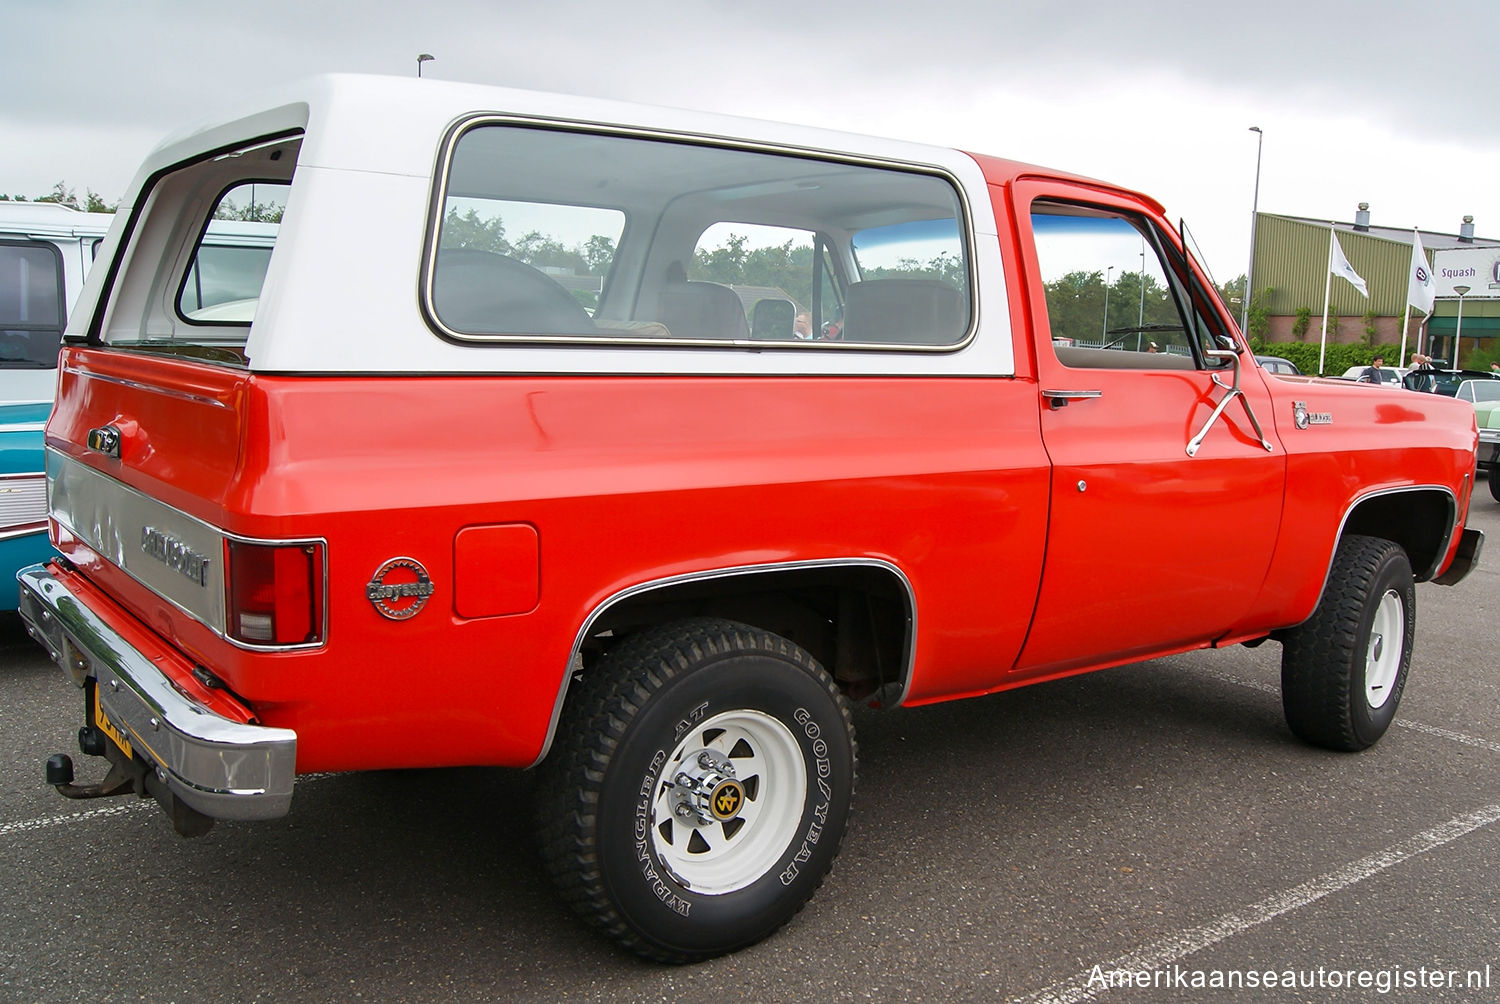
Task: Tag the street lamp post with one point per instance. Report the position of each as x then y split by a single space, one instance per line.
425 57
1140 317
1104 331
1458 329
1254 216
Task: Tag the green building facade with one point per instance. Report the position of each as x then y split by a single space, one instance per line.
1291 270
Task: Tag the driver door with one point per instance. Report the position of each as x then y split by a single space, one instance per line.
1165 498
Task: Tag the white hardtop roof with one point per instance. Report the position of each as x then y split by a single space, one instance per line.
354 121
375 142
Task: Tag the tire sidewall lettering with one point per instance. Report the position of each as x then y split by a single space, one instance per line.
645 856
821 769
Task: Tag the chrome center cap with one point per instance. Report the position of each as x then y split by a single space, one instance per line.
705 789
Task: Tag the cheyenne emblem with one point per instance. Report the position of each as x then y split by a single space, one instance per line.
174 554
1302 418
406 595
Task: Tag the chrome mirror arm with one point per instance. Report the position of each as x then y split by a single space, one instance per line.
1233 392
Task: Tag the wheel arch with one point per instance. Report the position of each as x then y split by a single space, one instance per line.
857 616
1421 519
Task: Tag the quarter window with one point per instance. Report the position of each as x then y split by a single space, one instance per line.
552 234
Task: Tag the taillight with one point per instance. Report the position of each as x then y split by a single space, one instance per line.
275 593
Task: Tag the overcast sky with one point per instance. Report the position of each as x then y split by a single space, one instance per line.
1391 102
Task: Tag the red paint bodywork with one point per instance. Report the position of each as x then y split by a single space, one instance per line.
582 487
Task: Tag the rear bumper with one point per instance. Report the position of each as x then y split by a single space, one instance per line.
223 769
1469 547
1489 449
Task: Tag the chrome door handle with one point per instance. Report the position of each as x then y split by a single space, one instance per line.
1060 398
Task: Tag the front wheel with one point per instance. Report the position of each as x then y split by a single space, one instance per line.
1493 477
1344 669
700 788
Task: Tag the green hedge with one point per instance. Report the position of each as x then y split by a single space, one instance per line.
1338 358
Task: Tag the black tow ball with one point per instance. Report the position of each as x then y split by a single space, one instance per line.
59 769
60 776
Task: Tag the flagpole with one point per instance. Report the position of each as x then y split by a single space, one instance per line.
1327 288
1406 320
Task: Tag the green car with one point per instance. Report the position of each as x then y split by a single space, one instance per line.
1485 394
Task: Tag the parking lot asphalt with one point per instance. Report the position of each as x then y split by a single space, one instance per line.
1156 820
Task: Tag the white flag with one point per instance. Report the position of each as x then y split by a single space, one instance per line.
1339 265
1420 289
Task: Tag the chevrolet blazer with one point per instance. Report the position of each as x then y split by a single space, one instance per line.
635 445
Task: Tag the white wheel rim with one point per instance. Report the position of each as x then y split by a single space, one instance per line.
720 857
1383 654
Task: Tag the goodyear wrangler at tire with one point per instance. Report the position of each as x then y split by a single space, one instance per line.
699 790
1343 671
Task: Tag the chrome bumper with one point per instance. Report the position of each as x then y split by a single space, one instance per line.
224 769
1469 547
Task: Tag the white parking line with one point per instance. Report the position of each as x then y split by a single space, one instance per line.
1431 730
31 825
1086 986
46 822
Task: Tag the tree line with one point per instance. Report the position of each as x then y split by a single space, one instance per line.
63 195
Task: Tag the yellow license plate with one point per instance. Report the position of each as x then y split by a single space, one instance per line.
108 727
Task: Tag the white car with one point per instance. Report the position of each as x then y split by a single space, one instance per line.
1390 376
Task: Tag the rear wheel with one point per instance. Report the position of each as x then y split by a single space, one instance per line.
1343 671
1493 477
699 789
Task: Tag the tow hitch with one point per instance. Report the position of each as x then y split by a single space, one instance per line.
126 775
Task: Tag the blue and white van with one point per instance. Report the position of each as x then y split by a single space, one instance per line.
46 253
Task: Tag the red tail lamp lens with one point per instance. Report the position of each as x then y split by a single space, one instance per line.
275 593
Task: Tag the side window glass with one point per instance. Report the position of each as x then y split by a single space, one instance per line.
723 245
31 305
545 250
1108 290
222 285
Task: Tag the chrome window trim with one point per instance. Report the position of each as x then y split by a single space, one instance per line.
219 630
465 124
575 656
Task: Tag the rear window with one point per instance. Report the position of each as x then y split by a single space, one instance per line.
191 271
32 311
562 235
